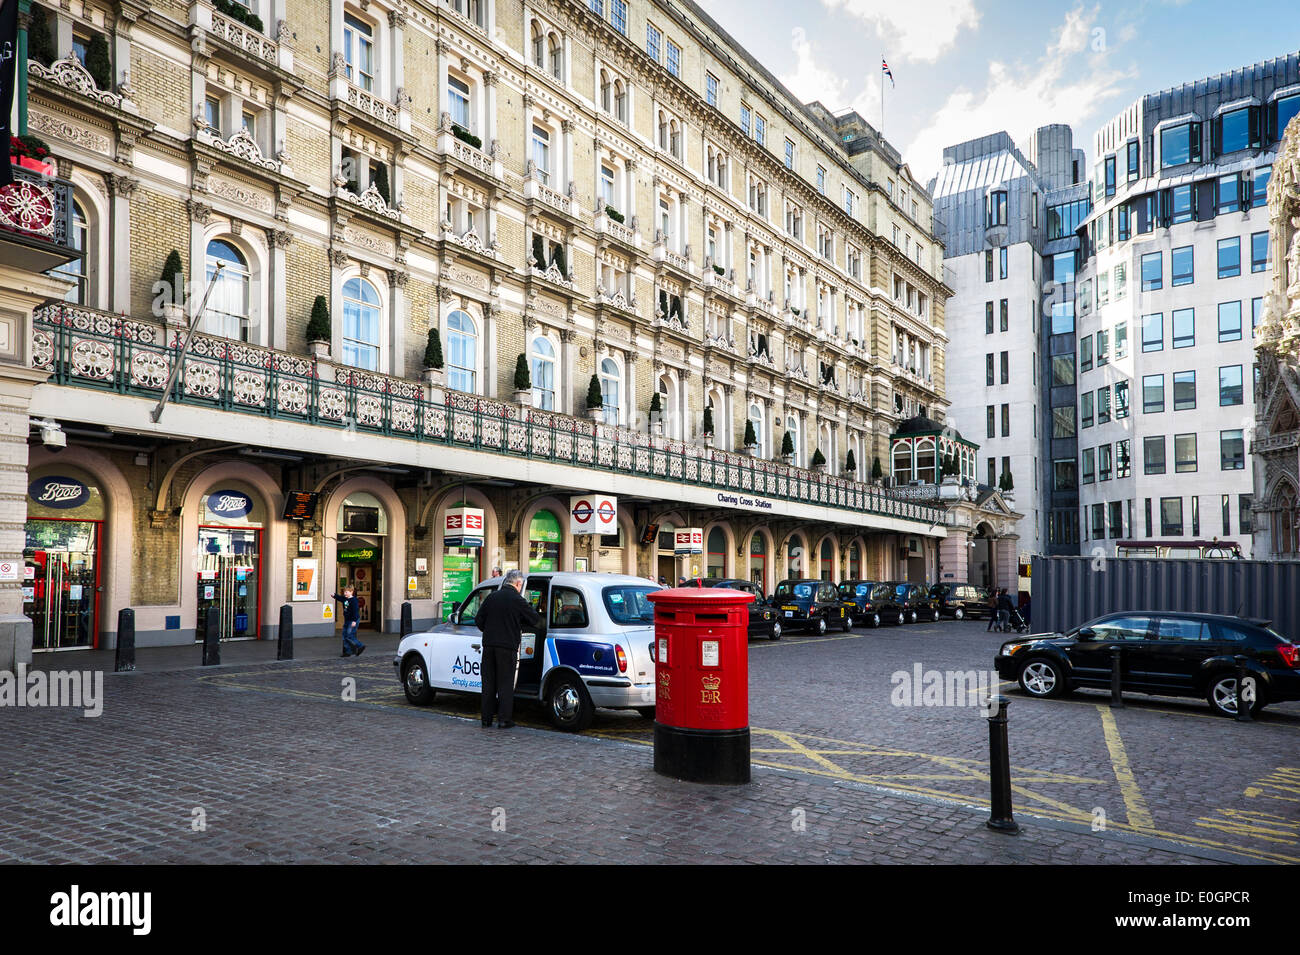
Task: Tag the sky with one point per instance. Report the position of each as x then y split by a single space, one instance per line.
965 68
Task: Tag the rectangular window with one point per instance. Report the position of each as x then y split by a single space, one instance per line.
1063 424
1236 130
996 209
1103 289
212 115
674 58
652 41
993 471
1123 463
1152 272
1229 321
821 179
1227 194
1132 154
1171 516
1180 144
1256 314
1002 262
789 154
990 414
711 89
1064 474
1006 368
1062 318
1110 175
1085 353
1121 339
1180 266
1153 454
1103 462
1006 421
1153 332
1184 390
760 130
1153 394
1184 453
1063 371
988 369
1085 409
988 318
1002 315
1244 510
1259 252
1148 517
1123 223
1182 204
1229 257
745 120
1103 405
1121 281
1259 186
1232 450
1121 399
1115 511
1225 504
359 52
848 211
988 259
1230 385
618 15
1184 327
1087 466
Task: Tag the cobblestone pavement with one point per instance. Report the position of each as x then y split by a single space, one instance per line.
267 762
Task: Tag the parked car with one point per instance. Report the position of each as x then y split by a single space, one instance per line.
807 604
1163 653
594 649
915 601
960 601
870 602
764 622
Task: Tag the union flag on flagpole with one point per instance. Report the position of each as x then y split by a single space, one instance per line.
884 68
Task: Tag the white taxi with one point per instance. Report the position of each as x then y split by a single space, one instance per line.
594 649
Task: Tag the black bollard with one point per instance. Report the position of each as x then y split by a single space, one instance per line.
1244 704
407 625
1116 682
284 650
995 709
212 639
125 659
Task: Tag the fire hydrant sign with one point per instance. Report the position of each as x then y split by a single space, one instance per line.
593 514
708 653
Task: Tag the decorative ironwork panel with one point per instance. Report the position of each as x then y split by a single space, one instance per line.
332 403
659 463
293 396
541 442
248 388
43 350
92 359
491 432
563 445
675 467
516 437
462 427
586 449
642 460
370 411
435 422
402 417
202 379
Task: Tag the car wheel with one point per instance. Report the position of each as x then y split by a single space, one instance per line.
847 623
648 712
958 614
875 620
821 626
912 617
776 630
901 619
935 618
415 681
1222 695
568 705
1042 678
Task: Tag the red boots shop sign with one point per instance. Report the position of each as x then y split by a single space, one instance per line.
593 514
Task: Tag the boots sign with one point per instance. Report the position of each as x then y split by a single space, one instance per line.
593 514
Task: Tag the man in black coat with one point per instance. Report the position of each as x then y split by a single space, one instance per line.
501 617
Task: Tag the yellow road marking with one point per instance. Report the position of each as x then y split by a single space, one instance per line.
1134 803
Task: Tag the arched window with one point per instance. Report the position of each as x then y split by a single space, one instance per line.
716 564
539 45
756 419
611 383
792 426
606 93
1285 530
663 130
926 469
620 101
796 557
75 271
758 561
666 404
855 562
462 352
826 570
360 325
227 311
902 463
543 371
557 57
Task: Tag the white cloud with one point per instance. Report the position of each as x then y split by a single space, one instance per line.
913 29
1068 84
810 81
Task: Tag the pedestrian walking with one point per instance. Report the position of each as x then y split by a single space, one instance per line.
496 571
993 609
501 618
1005 606
352 647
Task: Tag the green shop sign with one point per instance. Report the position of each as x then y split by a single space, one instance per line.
544 527
357 555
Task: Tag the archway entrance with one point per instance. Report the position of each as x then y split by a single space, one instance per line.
363 527
231 520
980 569
61 566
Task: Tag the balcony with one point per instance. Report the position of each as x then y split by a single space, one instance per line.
537 191
87 348
35 213
627 234
458 143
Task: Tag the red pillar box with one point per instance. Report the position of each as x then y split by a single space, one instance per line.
702 684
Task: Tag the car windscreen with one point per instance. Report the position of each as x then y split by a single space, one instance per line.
797 591
938 590
627 604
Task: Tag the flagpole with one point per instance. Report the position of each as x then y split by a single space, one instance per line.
882 96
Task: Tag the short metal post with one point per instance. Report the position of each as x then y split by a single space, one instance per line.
1116 681
125 659
212 638
284 649
995 709
407 625
1244 699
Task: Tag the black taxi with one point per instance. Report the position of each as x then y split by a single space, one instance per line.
870 602
810 605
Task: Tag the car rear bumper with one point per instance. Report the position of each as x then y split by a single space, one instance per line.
612 694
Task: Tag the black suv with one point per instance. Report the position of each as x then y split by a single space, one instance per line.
764 622
870 602
960 601
1164 653
807 604
914 601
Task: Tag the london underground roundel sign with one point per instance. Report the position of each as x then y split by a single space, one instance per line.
582 511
